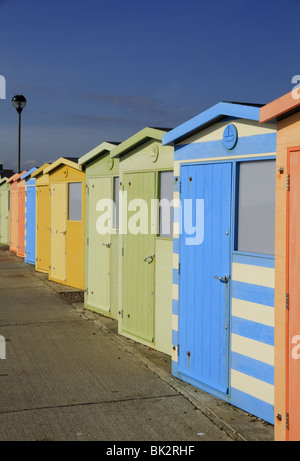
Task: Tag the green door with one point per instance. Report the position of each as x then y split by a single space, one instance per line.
99 246
138 257
4 216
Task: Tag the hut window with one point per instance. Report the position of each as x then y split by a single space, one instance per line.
166 208
116 202
256 207
75 201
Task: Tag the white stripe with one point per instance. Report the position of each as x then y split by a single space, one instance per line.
251 311
175 292
256 275
208 159
174 322
175 260
252 386
253 349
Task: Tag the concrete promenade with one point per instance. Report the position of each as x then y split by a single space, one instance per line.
69 376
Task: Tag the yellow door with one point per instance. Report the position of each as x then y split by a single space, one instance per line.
58 231
43 228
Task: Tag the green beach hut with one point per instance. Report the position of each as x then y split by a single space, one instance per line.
101 250
145 240
4 211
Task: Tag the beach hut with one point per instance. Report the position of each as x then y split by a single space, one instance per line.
14 211
43 215
67 198
4 211
21 215
286 112
223 279
30 216
145 254
101 250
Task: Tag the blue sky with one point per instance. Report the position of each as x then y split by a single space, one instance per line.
96 70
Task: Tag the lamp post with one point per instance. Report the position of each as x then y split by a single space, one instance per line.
19 102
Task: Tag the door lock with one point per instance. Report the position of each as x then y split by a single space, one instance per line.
150 257
224 279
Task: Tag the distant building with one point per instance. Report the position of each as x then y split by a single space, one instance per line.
5 173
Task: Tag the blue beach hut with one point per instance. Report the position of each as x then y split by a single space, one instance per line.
30 216
223 255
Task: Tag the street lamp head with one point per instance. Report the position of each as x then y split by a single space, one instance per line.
19 102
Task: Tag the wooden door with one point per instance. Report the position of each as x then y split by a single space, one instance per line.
293 269
21 221
58 231
14 220
43 224
30 224
204 274
99 245
4 216
139 258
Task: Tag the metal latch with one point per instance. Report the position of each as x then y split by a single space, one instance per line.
151 257
224 279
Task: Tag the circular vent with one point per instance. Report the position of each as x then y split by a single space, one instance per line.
154 152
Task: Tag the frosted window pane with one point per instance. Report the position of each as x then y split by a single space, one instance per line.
256 207
75 201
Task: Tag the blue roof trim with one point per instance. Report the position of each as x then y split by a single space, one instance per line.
220 110
28 173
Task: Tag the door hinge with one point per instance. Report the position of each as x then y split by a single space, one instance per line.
178 268
287 301
287 182
177 350
87 241
287 421
122 251
179 187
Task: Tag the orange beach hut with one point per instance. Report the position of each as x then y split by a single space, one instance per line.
286 111
14 211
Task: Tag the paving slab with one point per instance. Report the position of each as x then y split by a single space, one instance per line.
32 304
58 364
151 419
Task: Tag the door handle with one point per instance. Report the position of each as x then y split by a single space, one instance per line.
107 245
151 257
224 279
63 232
